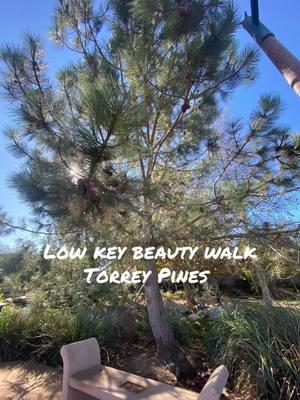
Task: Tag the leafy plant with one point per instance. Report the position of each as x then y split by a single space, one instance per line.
41 336
13 335
261 348
57 328
186 331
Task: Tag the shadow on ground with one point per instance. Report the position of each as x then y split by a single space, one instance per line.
29 381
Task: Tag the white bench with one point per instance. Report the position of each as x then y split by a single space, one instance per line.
84 378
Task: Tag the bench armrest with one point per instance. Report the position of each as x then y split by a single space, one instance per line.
77 357
215 384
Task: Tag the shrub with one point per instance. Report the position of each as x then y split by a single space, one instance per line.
13 335
261 348
12 285
38 301
57 328
186 330
143 325
41 336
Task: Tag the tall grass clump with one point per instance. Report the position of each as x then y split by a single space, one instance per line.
13 335
24 336
261 348
57 328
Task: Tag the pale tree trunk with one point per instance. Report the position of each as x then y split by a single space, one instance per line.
261 275
162 331
168 349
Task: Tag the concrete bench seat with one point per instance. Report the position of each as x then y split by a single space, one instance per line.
84 378
105 383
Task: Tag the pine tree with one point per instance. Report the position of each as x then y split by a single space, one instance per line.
119 144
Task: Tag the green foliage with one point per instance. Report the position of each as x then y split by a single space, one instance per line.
261 348
56 328
40 336
5 229
143 325
105 330
17 269
63 286
134 120
12 285
11 263
38 301
186 330
13 335
98 116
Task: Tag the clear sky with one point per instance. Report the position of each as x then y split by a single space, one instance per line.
19 16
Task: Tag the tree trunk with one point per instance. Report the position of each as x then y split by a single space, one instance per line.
261 275
168 349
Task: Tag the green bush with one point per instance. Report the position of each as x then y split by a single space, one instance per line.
38 301
261 348
40 337
56 328
13 335
186 330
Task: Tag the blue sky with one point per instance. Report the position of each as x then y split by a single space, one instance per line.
19 16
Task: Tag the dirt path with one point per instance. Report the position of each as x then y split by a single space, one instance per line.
29 381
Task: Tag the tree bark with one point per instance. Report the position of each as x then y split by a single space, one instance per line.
261 275
168 348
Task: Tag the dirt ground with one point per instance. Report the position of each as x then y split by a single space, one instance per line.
29 381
